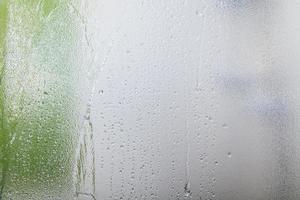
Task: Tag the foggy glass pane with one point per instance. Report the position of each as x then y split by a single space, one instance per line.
149 100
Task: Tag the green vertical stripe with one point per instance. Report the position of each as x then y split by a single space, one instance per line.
4 134
39 99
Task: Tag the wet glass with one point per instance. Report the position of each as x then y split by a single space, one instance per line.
141 100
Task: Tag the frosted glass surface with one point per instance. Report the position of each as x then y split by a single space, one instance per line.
149 100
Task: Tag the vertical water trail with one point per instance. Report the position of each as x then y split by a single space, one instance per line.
86 161
86 169
187 186
86 180
85 172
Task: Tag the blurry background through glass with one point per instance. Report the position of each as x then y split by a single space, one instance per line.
142 100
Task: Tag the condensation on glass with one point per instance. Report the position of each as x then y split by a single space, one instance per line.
142 100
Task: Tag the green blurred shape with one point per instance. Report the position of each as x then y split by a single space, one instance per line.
4 134
38 69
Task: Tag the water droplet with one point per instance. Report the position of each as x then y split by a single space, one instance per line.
187 190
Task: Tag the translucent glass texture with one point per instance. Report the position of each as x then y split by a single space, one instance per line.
149 100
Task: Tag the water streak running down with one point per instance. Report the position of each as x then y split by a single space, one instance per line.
86 176
187 189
